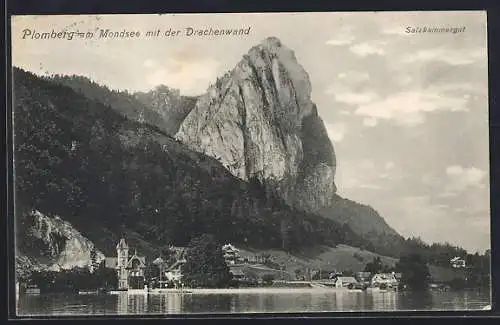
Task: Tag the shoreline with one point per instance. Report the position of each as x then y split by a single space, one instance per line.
234 290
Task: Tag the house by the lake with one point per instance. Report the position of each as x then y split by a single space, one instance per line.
129 267
237 273
345 282
387 279
174 271
364 277
457 262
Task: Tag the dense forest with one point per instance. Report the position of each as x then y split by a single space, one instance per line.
438 254
162 107
107 175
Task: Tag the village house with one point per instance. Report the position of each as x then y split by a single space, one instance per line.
237 273
345 282
457 262
364 277
386 279
231 254
129 268
174 272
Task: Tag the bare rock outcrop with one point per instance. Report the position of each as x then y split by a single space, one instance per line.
259 121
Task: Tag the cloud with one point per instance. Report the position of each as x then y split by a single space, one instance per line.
460 179
370 186
465 88
340 41
399 30
370 121
353 77
336 131
450 56
367 164
191 77
408 107
403 79
149 63
343 37
389 165
343 88
355 98
368 48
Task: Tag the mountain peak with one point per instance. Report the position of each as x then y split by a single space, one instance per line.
260 122
273 47
271 42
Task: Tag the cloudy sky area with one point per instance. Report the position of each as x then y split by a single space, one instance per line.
408 114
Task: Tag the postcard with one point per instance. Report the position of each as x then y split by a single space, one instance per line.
169 164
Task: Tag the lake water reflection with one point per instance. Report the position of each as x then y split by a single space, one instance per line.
265 302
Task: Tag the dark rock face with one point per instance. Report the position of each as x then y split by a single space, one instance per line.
259 121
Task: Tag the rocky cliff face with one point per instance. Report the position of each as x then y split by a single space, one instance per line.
260 122
53 243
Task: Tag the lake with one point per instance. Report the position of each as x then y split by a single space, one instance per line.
267 301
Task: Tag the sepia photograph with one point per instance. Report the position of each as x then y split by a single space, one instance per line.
250 163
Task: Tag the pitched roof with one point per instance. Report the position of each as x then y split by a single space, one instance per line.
385 276
237 271
348 279
230 247
122 244
141 259
158 261
177 264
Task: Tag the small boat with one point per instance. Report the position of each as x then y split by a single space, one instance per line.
488 307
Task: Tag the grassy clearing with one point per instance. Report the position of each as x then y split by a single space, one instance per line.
340 258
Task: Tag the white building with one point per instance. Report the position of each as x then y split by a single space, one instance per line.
174 272
231 254
387 279
129 268
345 282
457 262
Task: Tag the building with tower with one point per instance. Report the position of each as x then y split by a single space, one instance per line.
129 267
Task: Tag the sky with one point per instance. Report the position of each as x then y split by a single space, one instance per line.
407 113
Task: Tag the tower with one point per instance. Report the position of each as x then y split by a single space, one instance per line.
121 265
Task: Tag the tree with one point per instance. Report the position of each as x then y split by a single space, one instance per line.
93 260
205 265
375 266
268 279
414 270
